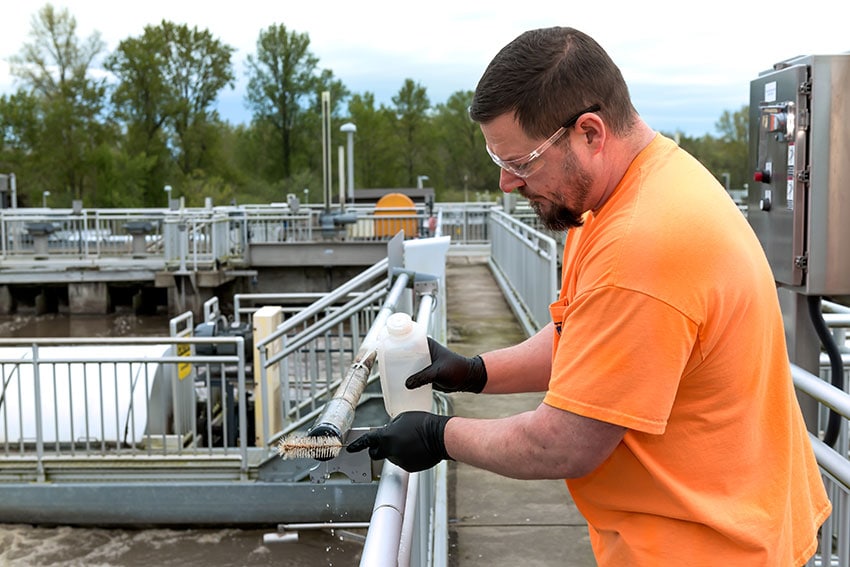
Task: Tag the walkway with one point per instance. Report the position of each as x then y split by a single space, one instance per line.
493 520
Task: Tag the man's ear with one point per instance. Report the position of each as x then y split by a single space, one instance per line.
593 131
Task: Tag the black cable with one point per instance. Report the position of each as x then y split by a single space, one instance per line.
833 427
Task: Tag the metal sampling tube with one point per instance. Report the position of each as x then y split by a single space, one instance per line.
338 415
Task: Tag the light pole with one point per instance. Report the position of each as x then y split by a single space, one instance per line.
420 179
44 197
167 196
725 176
349 129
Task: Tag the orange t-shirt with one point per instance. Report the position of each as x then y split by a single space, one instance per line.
669 325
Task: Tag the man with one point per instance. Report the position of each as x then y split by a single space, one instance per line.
669 404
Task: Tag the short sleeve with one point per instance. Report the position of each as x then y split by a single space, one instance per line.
619 357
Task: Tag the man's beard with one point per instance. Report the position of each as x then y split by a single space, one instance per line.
559 217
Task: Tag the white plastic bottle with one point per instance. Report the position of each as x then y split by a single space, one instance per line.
402 351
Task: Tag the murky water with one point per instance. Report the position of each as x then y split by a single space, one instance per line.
43 546
58 325
64 546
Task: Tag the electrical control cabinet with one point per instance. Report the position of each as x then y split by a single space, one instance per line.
799 198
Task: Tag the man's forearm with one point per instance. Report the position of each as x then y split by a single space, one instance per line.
524 367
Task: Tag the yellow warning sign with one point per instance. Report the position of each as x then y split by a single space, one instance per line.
184 368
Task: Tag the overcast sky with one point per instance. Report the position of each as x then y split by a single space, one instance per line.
685 62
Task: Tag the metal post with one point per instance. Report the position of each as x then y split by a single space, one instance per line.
326 149
341 155
13 186
39 434
349 129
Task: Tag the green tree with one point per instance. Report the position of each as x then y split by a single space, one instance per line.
465 164
141 103
196 67
168 81
20 133
54 69
733 128
372 142
281 81
411 112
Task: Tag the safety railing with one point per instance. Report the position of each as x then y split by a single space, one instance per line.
84 234
203 238
834 408
834 546
69 400
465 223
524 262
307 355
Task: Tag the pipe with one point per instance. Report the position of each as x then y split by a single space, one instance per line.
405 542
833 428
387 518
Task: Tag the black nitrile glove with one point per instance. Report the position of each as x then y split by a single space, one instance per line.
412 441
450 371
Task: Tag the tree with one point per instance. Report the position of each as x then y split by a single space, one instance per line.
141 103
281 80
373 144
168 81
465 164
411 112
196 68
54 68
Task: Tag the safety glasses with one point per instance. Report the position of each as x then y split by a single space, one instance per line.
526 165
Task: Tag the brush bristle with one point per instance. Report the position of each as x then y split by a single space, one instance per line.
321 448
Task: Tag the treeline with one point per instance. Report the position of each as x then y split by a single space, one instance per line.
116 136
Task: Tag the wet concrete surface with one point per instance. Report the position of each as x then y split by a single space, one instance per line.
494 520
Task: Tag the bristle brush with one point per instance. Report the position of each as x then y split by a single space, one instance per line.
320 447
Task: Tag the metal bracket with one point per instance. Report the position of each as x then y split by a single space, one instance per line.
356 466
426 287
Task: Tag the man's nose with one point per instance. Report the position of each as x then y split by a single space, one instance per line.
508 182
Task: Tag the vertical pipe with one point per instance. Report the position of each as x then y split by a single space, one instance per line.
326 149
341 156
243 411
351 165
39 435
14 187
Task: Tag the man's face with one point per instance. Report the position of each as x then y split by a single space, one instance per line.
558 186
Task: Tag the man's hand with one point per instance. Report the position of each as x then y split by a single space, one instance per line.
412 441
450 372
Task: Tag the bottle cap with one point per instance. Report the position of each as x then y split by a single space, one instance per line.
399 324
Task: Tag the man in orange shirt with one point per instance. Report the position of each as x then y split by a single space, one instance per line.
669 404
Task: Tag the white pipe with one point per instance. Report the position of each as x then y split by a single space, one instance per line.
341 156
384 535
405 545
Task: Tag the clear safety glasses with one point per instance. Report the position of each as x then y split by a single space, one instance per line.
526 165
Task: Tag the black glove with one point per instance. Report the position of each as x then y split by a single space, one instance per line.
450 372
412 441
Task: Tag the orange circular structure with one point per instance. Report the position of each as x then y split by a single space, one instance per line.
401 213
